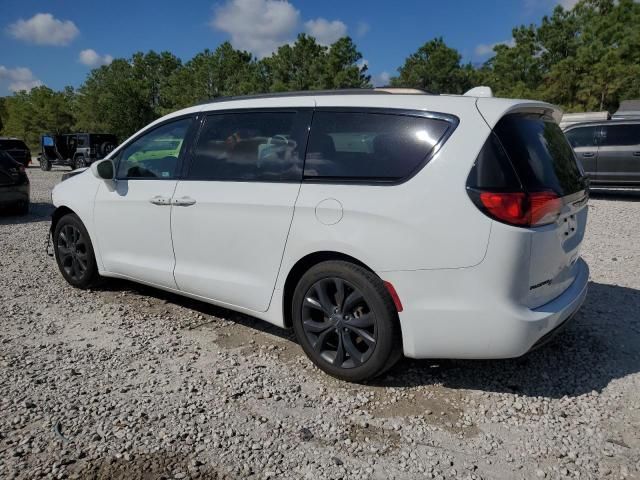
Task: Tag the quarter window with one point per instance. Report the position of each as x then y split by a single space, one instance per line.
251 146
155 154
369 146
581 137
620 135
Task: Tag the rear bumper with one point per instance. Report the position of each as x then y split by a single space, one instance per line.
453 314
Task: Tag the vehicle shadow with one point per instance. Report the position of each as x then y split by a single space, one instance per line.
626 194
38 212
601 344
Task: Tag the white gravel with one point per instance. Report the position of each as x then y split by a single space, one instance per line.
131 382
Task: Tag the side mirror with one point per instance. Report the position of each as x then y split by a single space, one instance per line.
104 169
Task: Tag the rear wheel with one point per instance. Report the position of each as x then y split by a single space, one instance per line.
79 162
345 321
74 252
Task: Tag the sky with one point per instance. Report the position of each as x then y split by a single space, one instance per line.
58 42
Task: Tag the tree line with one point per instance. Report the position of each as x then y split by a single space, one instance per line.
583 59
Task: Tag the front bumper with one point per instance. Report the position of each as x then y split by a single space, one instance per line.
452 314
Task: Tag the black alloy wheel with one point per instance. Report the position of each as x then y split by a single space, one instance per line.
345 320
339 323
72 252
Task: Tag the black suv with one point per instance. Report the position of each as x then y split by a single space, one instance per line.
76 150
17 149
609 151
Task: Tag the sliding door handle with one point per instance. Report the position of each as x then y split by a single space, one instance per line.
160 200
183 201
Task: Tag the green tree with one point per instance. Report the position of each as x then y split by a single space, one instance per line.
342 68
434 67
296 67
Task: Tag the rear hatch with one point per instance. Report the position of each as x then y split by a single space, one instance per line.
545 178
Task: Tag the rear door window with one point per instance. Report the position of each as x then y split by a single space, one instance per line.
582 137
620 135
540 153
250 146
355 146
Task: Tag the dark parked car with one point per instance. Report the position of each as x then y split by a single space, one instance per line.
609 151
75 150
14 185
17 149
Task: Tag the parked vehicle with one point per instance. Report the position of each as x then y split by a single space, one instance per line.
76 150
609 151
17 149
14 185
569 119
373 223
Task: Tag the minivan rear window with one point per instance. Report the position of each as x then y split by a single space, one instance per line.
356 146
540 154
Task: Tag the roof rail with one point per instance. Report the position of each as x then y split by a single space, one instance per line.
313 93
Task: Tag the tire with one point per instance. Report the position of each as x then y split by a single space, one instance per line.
79 162
74 252
365 324
45 165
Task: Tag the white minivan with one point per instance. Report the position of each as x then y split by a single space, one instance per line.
375 223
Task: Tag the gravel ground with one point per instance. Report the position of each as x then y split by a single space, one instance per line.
131 382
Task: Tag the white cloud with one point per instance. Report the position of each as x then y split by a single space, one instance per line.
484 49
44 29
259 26
324 31
568 4
19 78
91 58
362 29
381 80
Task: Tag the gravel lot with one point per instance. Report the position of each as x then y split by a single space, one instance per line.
131 382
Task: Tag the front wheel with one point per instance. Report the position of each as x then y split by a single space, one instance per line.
45 165
345 321
74 252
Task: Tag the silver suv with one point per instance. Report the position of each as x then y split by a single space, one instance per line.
609 150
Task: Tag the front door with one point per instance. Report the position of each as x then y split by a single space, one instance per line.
584 143
133 214
231 214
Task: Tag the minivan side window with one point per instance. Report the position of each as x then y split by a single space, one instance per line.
355 146
154 154
581 137
249 146
620 135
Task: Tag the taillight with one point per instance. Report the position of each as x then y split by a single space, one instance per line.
519 208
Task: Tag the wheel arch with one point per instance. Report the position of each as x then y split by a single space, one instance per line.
58 213
300 267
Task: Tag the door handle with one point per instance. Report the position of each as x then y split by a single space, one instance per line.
183 201
160 200
588 154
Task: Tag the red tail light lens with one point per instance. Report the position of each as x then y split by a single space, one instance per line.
520 208
510 208
545 207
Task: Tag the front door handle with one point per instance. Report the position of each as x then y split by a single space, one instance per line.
160 200
588 154
183 201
